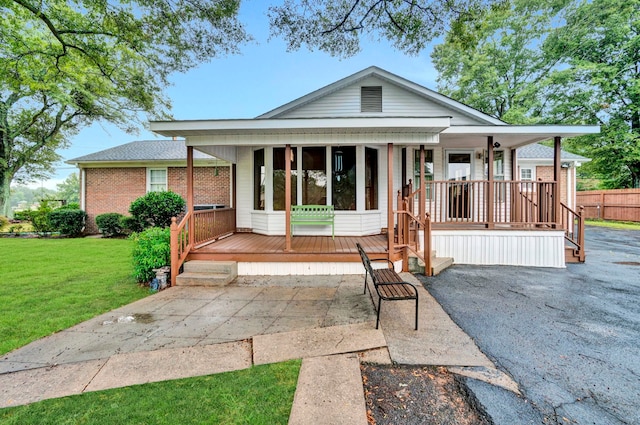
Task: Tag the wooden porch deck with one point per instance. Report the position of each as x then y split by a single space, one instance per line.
251 247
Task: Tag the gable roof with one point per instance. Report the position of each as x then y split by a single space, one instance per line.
374 71
538 151
142 151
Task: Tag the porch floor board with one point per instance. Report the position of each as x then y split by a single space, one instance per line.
253 247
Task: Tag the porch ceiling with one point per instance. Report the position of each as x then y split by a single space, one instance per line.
510 136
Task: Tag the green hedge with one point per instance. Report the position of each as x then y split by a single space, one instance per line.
156 209
67 221
110 224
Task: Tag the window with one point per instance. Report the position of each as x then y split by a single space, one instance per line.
526 174
314 176
498 165
428 169
371 99
259 175
371 178
279 178
156 179
344 177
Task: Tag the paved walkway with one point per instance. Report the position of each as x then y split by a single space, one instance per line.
324 320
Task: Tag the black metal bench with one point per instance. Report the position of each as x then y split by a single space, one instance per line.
389 285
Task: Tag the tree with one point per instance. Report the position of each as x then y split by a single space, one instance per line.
496 64
335 26
66 64
601 44
69 189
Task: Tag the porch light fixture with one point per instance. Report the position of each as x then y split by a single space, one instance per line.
496 145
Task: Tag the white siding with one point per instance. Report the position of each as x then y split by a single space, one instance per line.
286 269
396 101
501 247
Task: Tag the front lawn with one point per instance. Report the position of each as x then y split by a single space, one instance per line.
624 225
48 285
259 395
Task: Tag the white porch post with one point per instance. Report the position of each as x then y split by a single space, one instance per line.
287 197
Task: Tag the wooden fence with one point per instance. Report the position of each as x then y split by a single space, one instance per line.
615 204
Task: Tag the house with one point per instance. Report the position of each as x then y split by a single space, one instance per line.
535 162
406 169
113 178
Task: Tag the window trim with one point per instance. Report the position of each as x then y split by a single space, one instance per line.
166 178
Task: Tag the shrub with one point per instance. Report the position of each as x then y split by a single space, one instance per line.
67 221
24 215
132 224
151 250
70 206
40 218
3 221
110 224
157 208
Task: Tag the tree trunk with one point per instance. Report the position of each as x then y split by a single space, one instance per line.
5 193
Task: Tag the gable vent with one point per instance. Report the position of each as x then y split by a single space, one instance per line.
371 99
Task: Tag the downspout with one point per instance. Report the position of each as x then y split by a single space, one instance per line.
556 178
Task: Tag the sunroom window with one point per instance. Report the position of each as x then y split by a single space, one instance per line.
344 177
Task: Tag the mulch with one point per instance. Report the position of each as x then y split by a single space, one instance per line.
405 395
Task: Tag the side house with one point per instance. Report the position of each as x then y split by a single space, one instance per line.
535 163
407 170
113 178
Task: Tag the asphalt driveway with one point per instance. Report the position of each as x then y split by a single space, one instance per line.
569 337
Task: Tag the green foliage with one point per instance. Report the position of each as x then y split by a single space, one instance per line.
157 208
69 189
66 65
132 224
49 285
4 221
335 26
24 215
68 221
40 218
601 44
496 65
151 250
110 224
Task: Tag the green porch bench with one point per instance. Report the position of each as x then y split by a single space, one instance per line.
313 215
388 284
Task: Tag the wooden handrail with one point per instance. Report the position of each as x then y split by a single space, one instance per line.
180 245
573 225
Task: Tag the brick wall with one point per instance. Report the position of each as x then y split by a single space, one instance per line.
113 189
208 188
545 173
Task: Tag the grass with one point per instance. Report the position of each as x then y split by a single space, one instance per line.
624 225
259 395
52 284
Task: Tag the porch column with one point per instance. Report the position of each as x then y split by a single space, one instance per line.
516 189
190 206
423 186
557 141
390 221
490 188
287 197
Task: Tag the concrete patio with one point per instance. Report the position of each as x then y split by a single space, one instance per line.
193 331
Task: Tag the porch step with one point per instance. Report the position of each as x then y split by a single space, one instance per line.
207 273
438 264
571 255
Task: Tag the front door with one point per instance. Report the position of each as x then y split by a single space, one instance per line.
458 165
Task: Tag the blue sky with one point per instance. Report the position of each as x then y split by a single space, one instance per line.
264 76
